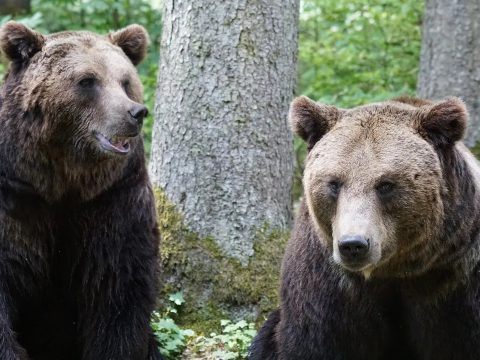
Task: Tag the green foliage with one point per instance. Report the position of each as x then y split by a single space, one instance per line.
355 51
231 344
32 21
171 338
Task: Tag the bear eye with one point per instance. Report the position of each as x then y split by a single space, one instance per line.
385 188
87 82
126 84
334 187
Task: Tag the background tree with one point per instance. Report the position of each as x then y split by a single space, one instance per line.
449 57
222 149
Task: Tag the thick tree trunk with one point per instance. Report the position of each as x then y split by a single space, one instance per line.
222 149
14 6
450 56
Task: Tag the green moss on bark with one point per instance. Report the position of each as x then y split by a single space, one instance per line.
215 285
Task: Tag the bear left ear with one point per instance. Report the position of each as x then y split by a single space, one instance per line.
18 42
311 120
133 40
445 122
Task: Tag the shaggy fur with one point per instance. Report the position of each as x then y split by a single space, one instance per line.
395 173
78 235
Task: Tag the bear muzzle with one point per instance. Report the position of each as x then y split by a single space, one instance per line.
354 250
125 130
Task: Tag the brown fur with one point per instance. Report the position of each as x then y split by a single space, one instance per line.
45 88
381 142
20 42
134 42
311 121
419 286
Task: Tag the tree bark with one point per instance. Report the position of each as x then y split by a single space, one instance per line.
222 150
450 56
14 6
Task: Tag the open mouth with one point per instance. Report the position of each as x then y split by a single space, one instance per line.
117 144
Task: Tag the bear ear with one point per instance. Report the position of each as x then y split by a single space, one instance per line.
133 40
445 122
18 42
311 120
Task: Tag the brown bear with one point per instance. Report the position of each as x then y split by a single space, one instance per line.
383 262
78 233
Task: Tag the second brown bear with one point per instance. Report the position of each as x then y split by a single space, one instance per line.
384 260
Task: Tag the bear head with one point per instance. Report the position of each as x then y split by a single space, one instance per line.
78 91
375 182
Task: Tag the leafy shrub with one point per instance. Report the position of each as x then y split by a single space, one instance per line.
171 338
231 344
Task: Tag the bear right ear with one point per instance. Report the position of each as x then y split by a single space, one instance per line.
18 42
133 40
443 123
311 120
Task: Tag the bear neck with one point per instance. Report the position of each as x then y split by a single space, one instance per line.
460 231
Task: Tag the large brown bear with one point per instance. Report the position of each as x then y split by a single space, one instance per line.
383 262
78 235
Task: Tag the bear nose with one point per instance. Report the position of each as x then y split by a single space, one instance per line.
353 248
138 112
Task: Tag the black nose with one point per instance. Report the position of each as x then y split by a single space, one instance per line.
353 248
138 112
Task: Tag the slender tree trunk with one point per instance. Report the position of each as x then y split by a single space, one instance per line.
222 149
450 56
14 6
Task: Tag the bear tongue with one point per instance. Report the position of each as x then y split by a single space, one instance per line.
122 144
118 145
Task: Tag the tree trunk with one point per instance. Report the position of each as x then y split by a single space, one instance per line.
14 6
222 149
450 56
